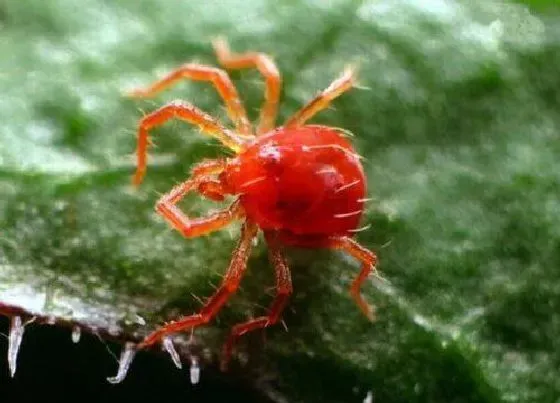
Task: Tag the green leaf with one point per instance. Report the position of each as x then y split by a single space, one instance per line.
458 122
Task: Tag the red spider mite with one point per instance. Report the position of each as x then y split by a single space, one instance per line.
302 185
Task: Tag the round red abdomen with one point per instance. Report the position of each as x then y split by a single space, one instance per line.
305 181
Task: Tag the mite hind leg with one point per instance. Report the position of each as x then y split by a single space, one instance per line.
368 261
283 292
229 285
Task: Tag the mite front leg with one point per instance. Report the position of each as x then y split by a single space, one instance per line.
323 100
187 112
221 81
265 65
200 182
195 227
368 259
283 292
229 285
212 189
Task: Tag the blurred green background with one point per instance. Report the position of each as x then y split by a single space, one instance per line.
458 121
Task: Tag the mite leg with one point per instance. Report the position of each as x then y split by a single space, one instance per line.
188 113
229 286
283 292
368 259
195 227
264 64
219 78
212 189
200 182
322 101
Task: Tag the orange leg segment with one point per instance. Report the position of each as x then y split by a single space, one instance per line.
264 64
212 189
368 259
187 112
192 228
323 100
229 286
219 78
202 183
283 292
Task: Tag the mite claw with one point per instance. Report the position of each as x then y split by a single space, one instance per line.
168 344
138 177
14 341
127 355
369 311
194 370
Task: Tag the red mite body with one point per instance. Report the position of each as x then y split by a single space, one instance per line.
300 184
306 182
